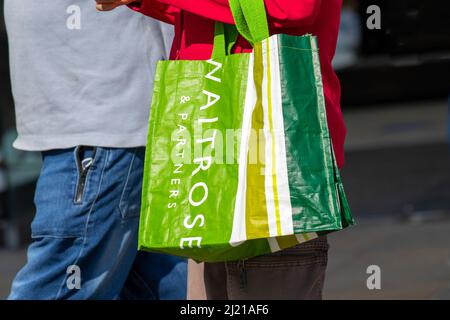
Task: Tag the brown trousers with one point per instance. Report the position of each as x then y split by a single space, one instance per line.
297 273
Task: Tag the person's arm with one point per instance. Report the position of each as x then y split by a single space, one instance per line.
281 13
155 9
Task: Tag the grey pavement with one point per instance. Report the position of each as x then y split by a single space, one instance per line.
10 262
414 260
406 124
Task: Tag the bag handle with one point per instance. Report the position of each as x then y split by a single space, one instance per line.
251 19
251 22
225 37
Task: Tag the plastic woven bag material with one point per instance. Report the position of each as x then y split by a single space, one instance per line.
239 161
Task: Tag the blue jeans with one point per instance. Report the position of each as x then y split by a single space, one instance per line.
85 232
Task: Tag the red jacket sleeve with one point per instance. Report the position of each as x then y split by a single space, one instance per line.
281 13
156 9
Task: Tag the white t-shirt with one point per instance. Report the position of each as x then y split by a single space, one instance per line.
79 76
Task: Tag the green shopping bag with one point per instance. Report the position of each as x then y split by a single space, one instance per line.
239 160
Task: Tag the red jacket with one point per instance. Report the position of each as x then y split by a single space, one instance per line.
194 30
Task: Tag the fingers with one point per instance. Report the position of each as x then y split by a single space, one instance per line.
108 5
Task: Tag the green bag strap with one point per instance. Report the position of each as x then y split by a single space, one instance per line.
231 35
219 41
251 19
225 37
256 18
239 20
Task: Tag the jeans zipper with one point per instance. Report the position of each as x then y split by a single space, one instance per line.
84 165
242 274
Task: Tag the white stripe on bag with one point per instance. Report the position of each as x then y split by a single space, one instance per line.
284 196
273 243
238 233
270 199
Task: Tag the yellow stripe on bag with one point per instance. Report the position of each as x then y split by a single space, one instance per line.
257 225
287 241
274 155
303 237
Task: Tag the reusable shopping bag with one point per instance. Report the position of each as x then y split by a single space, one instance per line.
239 161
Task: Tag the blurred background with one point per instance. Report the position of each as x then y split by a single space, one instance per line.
395 98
